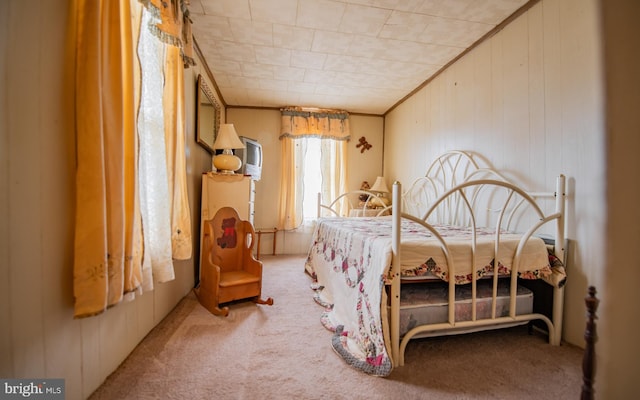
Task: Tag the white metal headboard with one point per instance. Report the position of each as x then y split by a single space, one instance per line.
447 171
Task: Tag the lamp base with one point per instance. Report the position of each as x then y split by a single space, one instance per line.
227 163
380 201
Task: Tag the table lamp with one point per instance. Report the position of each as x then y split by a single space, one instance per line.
380 187
227 140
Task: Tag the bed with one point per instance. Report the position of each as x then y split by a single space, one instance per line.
430 267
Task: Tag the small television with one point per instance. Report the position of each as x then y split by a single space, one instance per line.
251 157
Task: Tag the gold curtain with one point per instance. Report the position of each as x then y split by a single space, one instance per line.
300 123
187 36
168 25
108 249
106 257
173 25
290 209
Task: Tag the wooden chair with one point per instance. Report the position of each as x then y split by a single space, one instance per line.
228 270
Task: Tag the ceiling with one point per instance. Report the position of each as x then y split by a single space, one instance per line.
363 56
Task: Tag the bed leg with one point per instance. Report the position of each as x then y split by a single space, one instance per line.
558 304
589 352
397 355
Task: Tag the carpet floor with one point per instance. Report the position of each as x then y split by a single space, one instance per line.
283 352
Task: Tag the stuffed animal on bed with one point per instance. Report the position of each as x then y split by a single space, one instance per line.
364 197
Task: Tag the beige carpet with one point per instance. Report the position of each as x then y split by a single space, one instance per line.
283 352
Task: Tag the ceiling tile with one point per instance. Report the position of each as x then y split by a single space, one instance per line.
308 59
289 73
274 11
486 11
315 76
244 82
402 5
273 55
228 67
332 42
255 70
331 90
236 52
363 20
370 47
492 11
320 14
405 26
227 8
450 32
301 87
212 27
291 37
272 84
251 32
344 63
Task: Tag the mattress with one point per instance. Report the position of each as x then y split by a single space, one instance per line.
427 303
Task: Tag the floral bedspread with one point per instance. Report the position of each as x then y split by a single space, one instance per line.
349 259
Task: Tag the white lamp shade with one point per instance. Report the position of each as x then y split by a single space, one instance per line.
228 138
380 186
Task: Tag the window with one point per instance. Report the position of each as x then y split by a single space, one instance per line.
314 151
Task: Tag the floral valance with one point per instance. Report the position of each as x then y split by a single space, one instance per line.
315 122
172 25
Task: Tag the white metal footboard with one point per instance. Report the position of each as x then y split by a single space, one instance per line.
554 325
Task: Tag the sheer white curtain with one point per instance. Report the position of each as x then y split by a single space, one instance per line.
153 178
